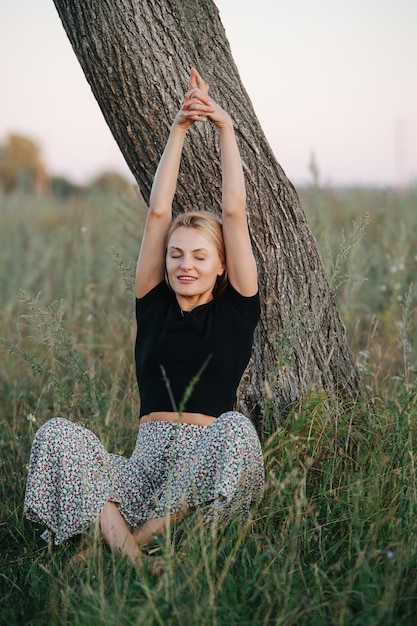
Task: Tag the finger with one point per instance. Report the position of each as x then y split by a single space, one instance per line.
201 82
193 106
197 118
192 83
198 95
196 82
195 100
196 112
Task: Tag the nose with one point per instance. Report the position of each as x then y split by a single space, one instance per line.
186 262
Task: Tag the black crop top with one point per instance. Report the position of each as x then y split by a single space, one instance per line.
213 340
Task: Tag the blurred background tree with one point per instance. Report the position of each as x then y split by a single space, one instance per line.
22 169
113 182
21 166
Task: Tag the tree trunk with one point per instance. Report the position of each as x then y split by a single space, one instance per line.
136 56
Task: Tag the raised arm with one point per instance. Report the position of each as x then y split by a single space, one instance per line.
150 265
151 261
240 262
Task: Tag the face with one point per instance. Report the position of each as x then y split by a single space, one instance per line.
193 264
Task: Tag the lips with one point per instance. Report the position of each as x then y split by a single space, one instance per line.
186 279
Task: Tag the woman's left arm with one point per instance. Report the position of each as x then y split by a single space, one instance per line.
240 262
241 265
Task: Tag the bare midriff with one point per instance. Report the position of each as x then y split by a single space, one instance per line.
184 418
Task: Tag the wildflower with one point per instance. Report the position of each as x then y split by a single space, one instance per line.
393 269
31 418
390 554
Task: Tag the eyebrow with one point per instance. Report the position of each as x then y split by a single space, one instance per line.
181 250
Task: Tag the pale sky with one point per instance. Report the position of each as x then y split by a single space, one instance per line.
333 77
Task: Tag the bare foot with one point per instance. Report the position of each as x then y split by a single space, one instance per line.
154 565
81 557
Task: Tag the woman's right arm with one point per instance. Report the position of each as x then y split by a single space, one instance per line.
150 267
151 261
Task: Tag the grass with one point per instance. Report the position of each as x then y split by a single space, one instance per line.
333 539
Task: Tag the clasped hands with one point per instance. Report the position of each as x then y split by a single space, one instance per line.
198 106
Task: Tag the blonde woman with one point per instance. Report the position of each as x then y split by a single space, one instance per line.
197 306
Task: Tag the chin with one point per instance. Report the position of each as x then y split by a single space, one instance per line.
184 291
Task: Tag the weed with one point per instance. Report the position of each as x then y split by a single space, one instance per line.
332 539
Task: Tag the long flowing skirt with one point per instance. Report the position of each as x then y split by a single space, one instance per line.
217 469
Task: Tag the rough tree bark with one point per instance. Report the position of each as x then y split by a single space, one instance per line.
136 56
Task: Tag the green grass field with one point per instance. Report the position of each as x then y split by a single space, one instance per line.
333 540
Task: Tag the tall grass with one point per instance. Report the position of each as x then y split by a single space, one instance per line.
332 540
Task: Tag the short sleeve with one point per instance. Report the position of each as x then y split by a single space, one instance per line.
248 307
158 296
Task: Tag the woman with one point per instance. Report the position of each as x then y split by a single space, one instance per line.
197 307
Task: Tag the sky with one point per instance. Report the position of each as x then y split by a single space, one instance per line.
333 78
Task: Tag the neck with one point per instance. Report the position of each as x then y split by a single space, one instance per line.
187 304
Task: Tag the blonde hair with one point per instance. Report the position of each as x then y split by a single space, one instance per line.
210 225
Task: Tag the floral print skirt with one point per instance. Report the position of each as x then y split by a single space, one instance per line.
217 469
